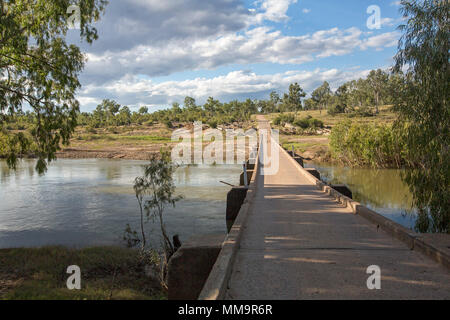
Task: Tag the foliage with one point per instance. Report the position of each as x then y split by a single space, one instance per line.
39 71
423 107
293 100
357 97
131 237
303 123
322 95
367 145
282 119
154 191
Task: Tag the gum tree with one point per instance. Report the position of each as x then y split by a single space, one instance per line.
39 71
155 190
423 108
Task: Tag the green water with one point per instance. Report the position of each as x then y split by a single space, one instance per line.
382 190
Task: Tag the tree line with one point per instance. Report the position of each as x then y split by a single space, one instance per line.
361 96
379 88
213 112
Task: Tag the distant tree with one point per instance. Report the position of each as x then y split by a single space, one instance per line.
395 86
378 82
293 100
273 103
342 96
108 109
143 110
310 104
124 116
424 111
189 103
321 95
39 70
211 105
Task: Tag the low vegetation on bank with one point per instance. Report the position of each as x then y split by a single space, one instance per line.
374 145
106 273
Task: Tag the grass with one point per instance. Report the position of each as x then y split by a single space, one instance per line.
317 146
303 146
106 273
386 115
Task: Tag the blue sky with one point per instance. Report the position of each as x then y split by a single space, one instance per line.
154 53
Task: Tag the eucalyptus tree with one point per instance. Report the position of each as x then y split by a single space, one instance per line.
293 100
155 190
424 117
39 71
377 81
321 95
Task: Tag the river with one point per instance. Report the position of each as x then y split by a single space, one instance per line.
381 190
81 203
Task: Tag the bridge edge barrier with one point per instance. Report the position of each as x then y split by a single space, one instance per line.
410 238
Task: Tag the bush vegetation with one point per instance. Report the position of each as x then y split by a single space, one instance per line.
375 145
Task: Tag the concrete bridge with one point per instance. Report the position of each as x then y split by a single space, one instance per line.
294 238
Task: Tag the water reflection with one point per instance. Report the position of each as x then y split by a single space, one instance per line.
89 202
379 189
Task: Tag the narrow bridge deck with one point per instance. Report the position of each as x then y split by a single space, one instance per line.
299 243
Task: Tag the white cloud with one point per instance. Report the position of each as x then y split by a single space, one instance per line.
387 22
274 10
306 10
140 39
258 45
384 40
132 91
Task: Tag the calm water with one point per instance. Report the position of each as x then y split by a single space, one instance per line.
381 190
89 202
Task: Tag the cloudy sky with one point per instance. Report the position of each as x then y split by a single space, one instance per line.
155 52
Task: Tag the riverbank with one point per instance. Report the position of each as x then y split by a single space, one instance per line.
107 273
128 142
124 142
313 148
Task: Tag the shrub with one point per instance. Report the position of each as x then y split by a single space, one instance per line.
336 109
315 123
309 122
282 119
213 123
302 123
367 145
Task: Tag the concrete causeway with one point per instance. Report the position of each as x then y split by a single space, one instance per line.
300 243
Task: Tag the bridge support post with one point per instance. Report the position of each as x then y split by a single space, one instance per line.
190 266
300 161
235 199
251 164
314 172
242 178
342 188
